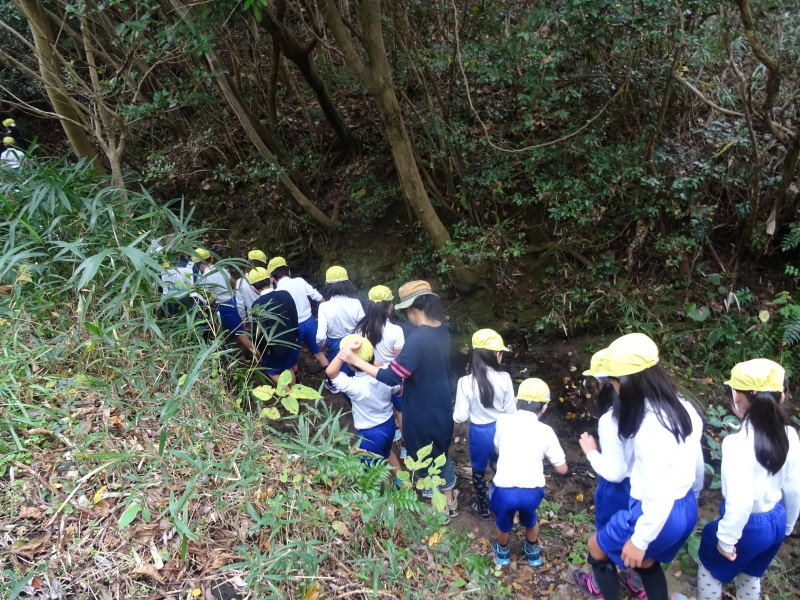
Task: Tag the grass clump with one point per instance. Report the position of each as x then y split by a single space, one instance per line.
130 470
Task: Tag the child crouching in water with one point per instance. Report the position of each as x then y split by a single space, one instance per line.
372 400
522 442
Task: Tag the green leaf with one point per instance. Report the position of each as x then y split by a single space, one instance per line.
439 501
304 392
290 404
285 379
182 379
439 461
129 515
696 314
423 452
264 392
270 413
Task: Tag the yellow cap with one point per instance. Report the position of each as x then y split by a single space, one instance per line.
8 141
257 274
335 274
533 390
276 262
257 255
632 353
596 367
488 339
380 293
757 375
201 254
365 351
8 123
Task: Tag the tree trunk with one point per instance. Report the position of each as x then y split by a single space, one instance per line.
376 76
63 105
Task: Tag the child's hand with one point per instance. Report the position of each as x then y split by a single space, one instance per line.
345 355
354 345
587 443
729 555
631 555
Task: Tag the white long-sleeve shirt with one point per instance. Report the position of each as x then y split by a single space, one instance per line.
615 463
246 294
749 488
216 281
468 401
338 317
300 290
524 442
664 470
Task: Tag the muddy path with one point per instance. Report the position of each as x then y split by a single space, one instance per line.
567 513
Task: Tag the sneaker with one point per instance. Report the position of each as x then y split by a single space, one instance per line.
452 507
585 583
532 553
397 435
403 453
632 581
502 554
476 508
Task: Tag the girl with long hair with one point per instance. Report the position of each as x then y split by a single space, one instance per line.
338 315
760 484
481 396
667 473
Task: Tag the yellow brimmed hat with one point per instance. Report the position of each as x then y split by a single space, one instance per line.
488 339
410 291
257 274
380 293
533 390
276 262
257 255
632 353
596 368
9 141
336 274
8 123
365 351
200 254
757 375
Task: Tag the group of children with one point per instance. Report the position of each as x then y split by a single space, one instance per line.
649 460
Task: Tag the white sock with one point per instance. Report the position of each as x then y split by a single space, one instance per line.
708 586
747 587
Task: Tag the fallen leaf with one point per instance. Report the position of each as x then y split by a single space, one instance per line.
312 592
196 592
340 527
38 431
579 498
31 548
98 495
434 539
148 571
30 512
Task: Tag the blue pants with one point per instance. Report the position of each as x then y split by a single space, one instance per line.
481 445
333 350
230 317
610 498
307 331
679 526
378 439
506 502
761 539
275 364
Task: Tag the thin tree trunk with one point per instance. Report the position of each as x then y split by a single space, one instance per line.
63 105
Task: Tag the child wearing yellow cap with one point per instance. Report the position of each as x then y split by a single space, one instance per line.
340 314
613 467
760 486
301 291
246 294
522 442
12 156
667 473
371 400
481 396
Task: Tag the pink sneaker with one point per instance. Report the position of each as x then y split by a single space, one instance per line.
586 584
632 582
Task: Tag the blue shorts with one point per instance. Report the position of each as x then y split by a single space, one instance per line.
506 502
481 445
610 498
277 364
378 439
230 317
670 539
333 350
307 330
761 539
397 402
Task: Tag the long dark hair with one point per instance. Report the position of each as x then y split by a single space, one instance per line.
607 397
482 362
654 385
769 429
431 305
375 317
339 288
